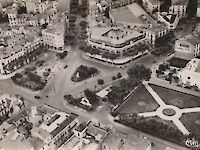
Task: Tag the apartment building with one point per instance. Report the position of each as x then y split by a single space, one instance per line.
190 75
18 51
16 19
152 5
53 36
115 40
56 130
188 47
39 6
179 7
8 106
155 31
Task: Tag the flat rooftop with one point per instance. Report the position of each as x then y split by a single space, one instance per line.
58 122
194 65
15 141
129 14
126 142
192 38
58 28
18 43
180 2
169 17
155 1
115 36
135 142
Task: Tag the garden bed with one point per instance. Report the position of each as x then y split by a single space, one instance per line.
83 73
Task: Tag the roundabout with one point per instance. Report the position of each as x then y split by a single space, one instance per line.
168 112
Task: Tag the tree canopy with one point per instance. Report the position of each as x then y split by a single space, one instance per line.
139 72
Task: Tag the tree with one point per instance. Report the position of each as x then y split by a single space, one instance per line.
119 75
139 72
116 95
165 5
91 96
100 81
83 24
114 78
162 67
191 8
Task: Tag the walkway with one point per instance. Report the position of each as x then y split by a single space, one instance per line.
174 117
154 94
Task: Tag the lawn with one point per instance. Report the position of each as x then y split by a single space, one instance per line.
139 101
191 122
177 62
178 99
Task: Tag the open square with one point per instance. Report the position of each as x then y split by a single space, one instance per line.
173 107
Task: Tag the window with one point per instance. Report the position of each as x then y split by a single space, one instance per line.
188 77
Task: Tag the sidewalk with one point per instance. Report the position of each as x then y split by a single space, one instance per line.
166 84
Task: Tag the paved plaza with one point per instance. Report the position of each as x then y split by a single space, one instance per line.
168 112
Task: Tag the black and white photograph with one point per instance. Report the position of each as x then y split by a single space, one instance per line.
99 74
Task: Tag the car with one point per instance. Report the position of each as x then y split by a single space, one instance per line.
65 66
37 97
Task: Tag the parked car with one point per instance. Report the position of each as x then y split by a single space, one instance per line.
37 97
65 66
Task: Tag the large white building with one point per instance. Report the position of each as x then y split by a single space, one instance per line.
179 7
54 35
155 31
190 75
188 47
16 19
115 40
56 130
8 105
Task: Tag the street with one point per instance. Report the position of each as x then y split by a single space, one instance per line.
61 84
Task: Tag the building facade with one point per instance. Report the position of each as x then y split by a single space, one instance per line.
155 31
54 36
17 54
187 47
179 7
115 40
39 6
55 131
16 19
190 75
152 5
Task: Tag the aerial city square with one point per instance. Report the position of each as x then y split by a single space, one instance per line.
99 74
